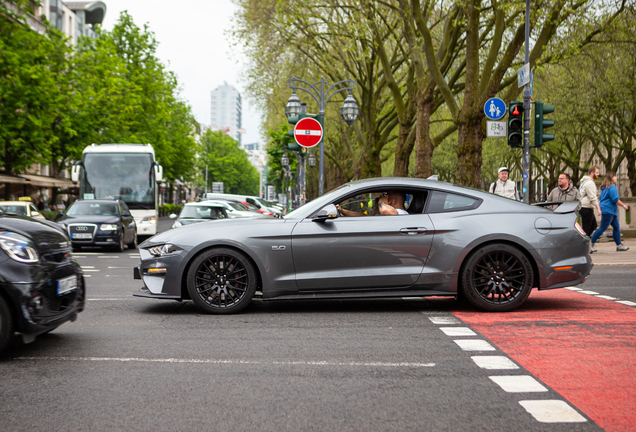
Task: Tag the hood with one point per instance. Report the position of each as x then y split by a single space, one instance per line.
89 219
44 234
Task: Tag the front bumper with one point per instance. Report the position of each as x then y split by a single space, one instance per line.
157 282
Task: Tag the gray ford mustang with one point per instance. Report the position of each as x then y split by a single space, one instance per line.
453 241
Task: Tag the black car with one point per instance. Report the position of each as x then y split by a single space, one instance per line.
106 223
41 287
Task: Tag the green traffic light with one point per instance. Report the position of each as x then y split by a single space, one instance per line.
540 124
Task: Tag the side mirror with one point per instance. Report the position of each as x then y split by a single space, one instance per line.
327 212
59 215
126 213
173 216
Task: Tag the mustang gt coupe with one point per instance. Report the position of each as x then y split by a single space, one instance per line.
450 241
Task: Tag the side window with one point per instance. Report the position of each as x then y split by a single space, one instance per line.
442 202
33 208
253 202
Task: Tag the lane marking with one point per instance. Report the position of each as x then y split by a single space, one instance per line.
134 255
626 302
86 267
588 292
518 383
574 289
494 362
87 275
611 264
109 299
444 320
606 297
474 345
78 256
119 267
552 411
108 257
212 361
458 331
90 270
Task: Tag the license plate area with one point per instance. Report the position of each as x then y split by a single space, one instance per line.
85 236
66 285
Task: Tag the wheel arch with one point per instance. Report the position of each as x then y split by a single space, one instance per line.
186 269
464 259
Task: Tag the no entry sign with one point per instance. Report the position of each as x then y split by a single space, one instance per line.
308 132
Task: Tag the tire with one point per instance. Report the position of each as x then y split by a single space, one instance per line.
133 244
221 281
121 246
6 324
497 278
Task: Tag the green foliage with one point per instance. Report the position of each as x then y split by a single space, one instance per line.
168 209
227 163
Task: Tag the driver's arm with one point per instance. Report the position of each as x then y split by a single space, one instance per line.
345 212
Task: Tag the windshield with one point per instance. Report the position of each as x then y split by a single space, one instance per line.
129 176
201 212
19 210
318 202
87 208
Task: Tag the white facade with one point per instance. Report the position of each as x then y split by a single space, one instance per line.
74 19
226 111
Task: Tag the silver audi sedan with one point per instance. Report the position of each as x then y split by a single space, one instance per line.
451 241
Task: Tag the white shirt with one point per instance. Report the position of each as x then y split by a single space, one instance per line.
402 212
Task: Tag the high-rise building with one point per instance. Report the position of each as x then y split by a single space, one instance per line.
226 111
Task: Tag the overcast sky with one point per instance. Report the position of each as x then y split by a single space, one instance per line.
192 44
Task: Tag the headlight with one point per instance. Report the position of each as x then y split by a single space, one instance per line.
148 219
176 224
108 227
18 247
164 249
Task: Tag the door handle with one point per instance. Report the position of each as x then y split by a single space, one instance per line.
413 230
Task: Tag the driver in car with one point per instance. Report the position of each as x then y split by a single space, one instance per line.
391 203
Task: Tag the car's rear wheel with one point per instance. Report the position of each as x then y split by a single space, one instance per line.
6 324
133 243
497 277
221 281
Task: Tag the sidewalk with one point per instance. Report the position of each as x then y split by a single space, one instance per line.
607 254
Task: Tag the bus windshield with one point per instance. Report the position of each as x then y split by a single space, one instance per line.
127 176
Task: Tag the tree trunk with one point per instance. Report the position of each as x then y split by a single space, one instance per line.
403 151
424 145
470 137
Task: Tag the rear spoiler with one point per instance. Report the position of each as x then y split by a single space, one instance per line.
563 207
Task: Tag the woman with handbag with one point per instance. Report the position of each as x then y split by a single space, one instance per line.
609 202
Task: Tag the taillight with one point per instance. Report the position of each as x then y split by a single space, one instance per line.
579 228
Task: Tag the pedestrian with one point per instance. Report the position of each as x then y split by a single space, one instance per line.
503 186
565 191
589 201
41 204
609 202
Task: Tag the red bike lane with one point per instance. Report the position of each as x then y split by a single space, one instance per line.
581 346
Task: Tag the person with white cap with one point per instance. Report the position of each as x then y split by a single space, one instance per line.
503 186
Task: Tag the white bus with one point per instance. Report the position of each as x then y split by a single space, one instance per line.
122 171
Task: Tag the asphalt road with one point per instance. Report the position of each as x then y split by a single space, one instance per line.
406 364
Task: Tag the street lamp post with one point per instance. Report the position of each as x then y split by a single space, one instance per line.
349 110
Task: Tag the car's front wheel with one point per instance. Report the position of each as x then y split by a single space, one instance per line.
497 278
6 324
221 281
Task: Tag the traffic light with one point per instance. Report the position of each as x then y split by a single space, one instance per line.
293 145
540 123
515 124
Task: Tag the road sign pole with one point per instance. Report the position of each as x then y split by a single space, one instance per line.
526 118
321 165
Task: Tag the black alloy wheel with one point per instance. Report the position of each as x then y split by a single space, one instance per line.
221 281
497 278
6 324
133 243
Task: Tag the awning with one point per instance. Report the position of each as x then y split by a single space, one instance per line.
44 181
11 179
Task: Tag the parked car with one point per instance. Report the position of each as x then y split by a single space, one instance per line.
453 241
235 209
41 287
104 223
255 201
202 211
254 208
21 208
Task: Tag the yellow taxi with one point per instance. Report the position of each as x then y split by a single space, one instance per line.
20 208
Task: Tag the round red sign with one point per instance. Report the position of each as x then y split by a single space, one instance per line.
308 132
